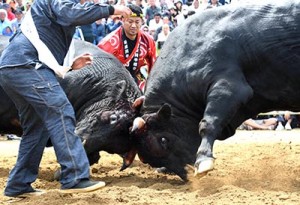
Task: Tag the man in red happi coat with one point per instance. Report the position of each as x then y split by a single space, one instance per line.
133 47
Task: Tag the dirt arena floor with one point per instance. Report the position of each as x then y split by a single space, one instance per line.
252 167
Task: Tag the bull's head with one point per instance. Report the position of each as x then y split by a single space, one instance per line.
105 125
160 144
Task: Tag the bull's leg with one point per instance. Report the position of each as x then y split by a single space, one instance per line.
93 157
223 100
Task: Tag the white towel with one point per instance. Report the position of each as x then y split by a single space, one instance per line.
44 54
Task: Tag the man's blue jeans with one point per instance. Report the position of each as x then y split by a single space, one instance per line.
45 112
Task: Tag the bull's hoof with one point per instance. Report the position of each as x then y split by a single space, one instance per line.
163 170
57 175
204 167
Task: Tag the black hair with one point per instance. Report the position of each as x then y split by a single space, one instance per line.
136 9
157 14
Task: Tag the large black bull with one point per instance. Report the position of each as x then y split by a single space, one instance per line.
102 95
220 68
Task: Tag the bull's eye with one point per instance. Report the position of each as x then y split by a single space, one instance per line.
113 119
164 142
105 117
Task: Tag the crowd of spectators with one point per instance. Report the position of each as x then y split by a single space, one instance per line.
160 17
11 15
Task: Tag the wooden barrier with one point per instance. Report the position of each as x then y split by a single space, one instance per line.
280 112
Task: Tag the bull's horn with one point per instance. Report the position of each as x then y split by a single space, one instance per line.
138 123
128 158
124 166
190 167
83 142
138 102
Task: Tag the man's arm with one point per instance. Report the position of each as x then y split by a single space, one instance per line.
68 13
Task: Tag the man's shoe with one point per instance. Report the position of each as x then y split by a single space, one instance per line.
35 192
279 127
13 137
83 186
288 126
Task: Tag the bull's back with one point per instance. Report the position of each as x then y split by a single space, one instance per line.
261 41
96 82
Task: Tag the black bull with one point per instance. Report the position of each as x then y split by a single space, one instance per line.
102 95
221 67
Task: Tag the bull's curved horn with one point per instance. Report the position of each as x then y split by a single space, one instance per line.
138 102
128 158
83 142
138 123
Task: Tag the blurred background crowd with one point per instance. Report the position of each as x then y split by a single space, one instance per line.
160 17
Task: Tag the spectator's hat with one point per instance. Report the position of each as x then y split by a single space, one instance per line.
5 6
178 1
18 11
171 7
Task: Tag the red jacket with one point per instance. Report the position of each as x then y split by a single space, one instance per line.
11 16
113 43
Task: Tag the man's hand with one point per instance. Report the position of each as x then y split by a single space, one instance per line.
122 10
81 61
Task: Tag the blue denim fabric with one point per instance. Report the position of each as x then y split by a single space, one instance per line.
45 112
55 21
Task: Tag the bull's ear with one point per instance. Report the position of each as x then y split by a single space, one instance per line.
119 89
164 113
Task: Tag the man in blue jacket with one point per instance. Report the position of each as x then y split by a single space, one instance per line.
29 78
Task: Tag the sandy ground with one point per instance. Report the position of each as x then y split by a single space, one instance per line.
252 167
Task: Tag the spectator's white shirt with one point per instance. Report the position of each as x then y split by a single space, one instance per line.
153 25
162 37
235 1
201 7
